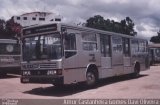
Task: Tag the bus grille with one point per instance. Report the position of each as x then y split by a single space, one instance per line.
48 66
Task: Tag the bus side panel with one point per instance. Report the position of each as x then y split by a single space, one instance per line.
117 55
75 67
105 73
74 75
106 68
127 65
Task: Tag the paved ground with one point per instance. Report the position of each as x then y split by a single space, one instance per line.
146 86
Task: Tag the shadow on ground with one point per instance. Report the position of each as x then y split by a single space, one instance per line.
76 88
8 76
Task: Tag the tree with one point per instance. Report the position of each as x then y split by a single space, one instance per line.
12 28
155 39
126 26
2 27
97 22
9 29
2 24
130 26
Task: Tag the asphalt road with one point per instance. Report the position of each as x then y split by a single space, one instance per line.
146 86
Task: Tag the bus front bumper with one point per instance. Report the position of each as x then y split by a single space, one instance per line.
42 79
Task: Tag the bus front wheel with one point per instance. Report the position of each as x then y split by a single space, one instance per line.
90 79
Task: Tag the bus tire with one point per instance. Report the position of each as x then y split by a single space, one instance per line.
91 79
136 70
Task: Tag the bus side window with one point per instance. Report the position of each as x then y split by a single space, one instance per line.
135 46
70 45
126 47
105 46
158 52
89 41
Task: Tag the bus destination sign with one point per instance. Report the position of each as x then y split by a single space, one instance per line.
40 29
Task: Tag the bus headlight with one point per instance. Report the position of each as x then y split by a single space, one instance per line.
26 73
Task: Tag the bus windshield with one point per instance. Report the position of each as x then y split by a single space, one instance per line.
9 48
42 47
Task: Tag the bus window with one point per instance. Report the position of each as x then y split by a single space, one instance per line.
117 44
126 47
135 46
157 51
89 42
70 45
105 46
142 46
42 47
146 48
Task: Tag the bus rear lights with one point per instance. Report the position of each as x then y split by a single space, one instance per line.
51 72
26 73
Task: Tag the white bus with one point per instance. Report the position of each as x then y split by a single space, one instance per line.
154 53
64 54
9 56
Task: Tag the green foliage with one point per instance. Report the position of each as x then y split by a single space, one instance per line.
9 28
155 39
126 26
2 27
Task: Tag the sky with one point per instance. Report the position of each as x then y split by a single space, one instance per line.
144 13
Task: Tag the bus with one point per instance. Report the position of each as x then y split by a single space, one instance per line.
9 56
62 54
154 53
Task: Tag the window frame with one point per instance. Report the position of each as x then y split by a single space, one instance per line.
33 18
57 19
41 19
18 18
103 45
91 43
117 44
126 50
134 46
24 18
71 51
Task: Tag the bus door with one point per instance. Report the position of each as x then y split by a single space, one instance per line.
70 57
106 62
126 55
117 55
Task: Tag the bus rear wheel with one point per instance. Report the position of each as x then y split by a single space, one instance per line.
91 79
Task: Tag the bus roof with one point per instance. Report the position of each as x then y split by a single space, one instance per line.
87 29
